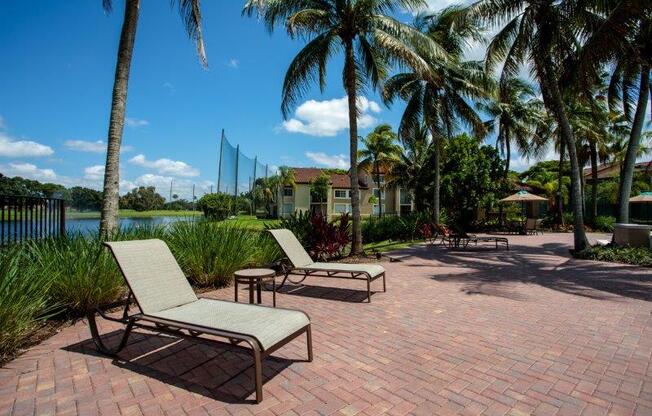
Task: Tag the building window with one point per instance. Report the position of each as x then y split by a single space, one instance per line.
288 191
378 194
288 208
342 194
406 197
377 209
342 208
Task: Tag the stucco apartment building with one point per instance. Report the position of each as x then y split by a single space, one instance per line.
396 201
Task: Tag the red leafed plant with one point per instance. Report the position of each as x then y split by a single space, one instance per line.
328 240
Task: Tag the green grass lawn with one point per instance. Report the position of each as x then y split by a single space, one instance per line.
251 222
130 213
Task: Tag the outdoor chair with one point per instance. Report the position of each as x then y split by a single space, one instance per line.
533 226
168 305
302 264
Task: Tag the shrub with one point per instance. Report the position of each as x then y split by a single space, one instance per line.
328 239
24 291
215 206
83 271
403 228
298 223
605 223
209 253
631 255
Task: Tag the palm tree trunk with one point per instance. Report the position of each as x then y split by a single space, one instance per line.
380 192
560 176
553 100
594 181
109 216
508 154
350 85
436 198
625 185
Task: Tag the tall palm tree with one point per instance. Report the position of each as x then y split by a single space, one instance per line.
541 33
515 115
369 39
620 34
380 152
440 98
411 170
191 16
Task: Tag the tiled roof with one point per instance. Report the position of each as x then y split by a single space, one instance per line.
338 180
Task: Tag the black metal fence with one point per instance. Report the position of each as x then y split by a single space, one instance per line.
30 218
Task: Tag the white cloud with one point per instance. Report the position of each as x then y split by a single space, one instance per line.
327 118
519 163
94 173
169 87
86 146
136 122
234 63
330 161
28 171
92 147
11 147
165 166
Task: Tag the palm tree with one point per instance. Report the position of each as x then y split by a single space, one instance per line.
515 115
191 16
411 169
370 41
621 35
380 152
440 98
541 32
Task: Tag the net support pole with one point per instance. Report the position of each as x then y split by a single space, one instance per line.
219 163
235 191
253 188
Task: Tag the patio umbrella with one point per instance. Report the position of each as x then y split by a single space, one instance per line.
642 198
523 197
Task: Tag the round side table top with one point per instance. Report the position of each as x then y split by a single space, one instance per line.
255 273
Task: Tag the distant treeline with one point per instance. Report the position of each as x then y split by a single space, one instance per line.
86 199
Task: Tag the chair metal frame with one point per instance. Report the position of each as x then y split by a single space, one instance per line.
192 331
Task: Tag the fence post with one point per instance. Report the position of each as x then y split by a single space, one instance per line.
253 188
62 218
235 191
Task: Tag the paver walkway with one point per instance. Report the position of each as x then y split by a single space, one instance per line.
529 331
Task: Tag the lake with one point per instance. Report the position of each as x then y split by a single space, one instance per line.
91 225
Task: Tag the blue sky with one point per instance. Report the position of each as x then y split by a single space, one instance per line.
56 80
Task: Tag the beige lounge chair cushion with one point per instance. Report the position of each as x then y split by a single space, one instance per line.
153 274
291 247
373 269
268 325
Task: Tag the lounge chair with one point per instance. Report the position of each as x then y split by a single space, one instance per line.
303 265
168 304
533 226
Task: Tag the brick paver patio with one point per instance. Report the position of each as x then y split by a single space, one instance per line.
529 331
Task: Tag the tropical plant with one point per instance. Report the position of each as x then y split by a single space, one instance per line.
515 115
620 34
26 301
319 188
209 253
542 33
411 170
84 273
370 41
379 154
439 99
327 240
191 16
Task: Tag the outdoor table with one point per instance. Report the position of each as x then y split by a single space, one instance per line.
255 277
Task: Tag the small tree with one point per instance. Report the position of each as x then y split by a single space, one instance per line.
215 206
143 198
